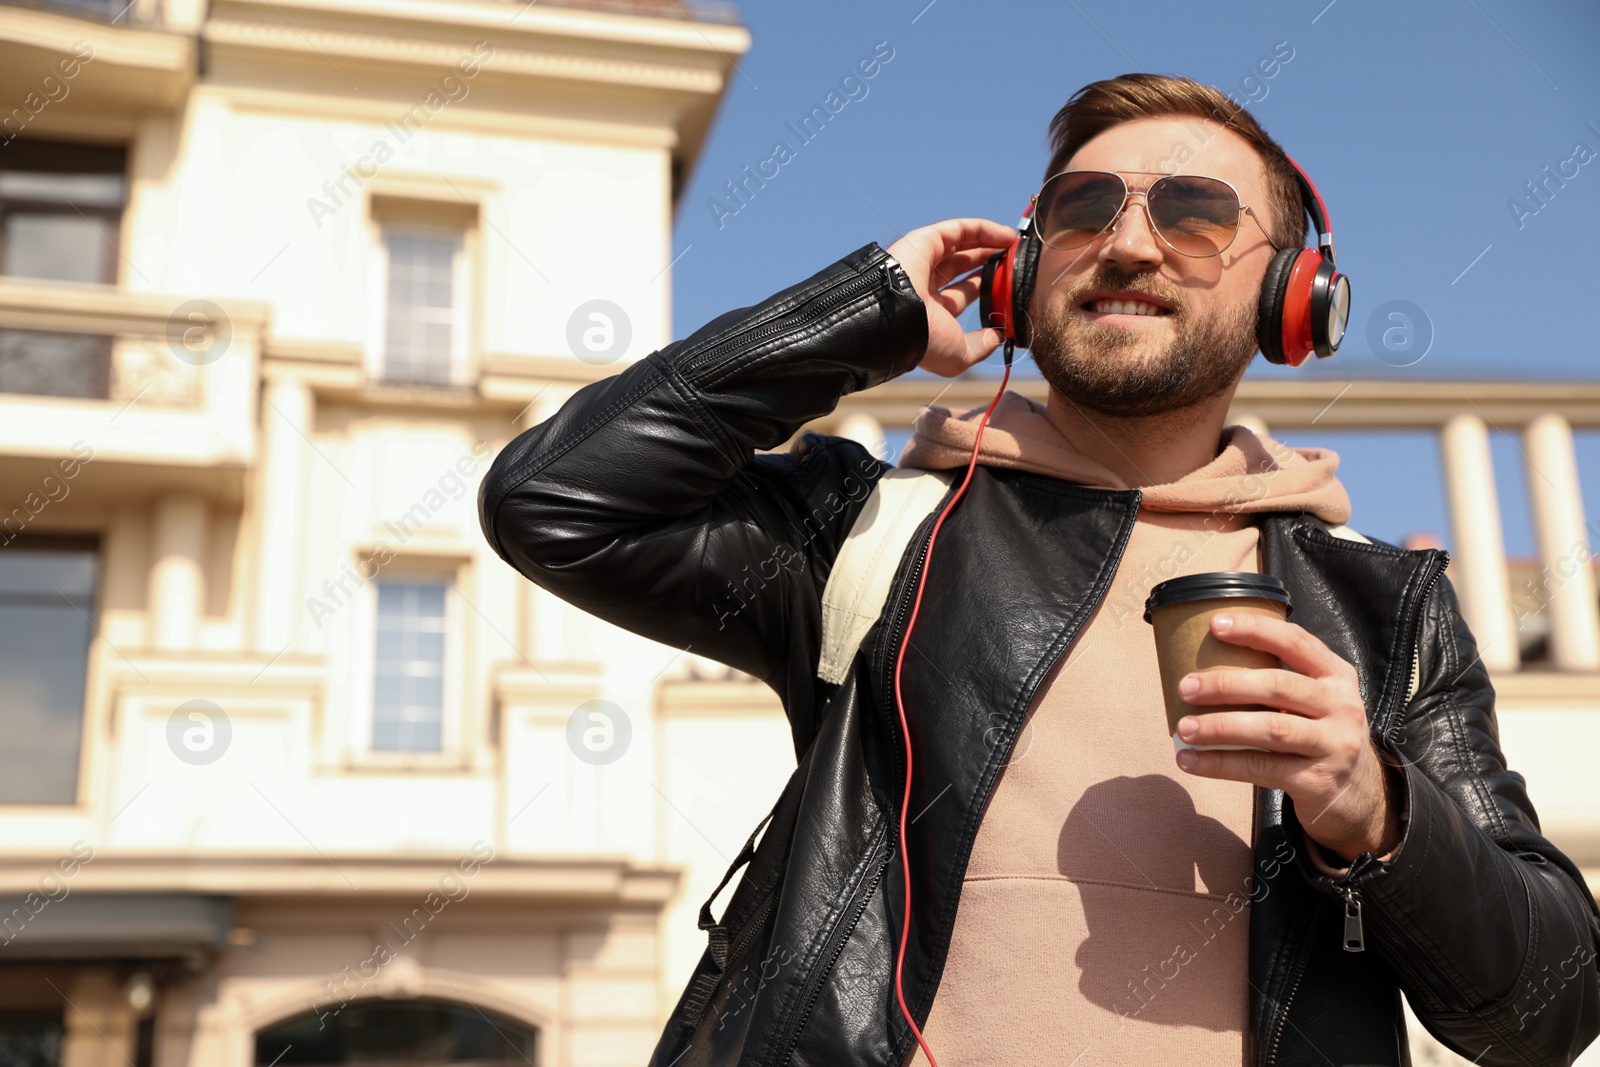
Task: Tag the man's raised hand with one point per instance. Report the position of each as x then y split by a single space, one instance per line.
938 259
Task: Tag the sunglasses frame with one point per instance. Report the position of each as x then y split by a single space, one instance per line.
1244 209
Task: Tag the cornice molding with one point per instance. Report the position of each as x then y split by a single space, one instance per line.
597 879
517 17
148 48
71 307
370 48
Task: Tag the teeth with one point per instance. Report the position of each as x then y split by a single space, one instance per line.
1124 307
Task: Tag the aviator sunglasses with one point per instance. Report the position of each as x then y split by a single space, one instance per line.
1192 214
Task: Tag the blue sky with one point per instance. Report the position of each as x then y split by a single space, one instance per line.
1420 122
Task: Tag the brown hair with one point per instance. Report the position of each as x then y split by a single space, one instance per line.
1101 105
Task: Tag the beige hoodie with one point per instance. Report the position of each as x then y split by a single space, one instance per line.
1105 915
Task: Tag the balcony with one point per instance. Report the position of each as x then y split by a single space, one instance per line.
141 381
115 57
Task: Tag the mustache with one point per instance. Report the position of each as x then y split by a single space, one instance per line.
1133 283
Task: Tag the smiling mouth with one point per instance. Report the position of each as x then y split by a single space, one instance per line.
1099 309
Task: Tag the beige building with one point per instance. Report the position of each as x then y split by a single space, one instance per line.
293 770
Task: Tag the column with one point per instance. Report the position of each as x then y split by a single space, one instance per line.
865 430
1254 423
285 427
1478 570
1565 583
177 576
101 1029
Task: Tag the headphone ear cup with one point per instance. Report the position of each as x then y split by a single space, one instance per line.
1269 308
990 301
1024 271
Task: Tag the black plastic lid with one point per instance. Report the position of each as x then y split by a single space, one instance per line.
1214 584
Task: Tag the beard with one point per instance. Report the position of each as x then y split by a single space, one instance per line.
1118 371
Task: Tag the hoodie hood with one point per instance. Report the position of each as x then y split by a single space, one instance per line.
1250 473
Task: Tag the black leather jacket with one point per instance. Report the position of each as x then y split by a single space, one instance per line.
643 501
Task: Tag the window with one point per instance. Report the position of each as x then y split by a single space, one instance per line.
408 673
30 1039
60 219
421 332
61 210
47 599
416 1032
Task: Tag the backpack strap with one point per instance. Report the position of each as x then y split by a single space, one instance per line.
858 585
1345 532
697 998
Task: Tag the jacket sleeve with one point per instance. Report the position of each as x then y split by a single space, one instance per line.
643 502
1489 927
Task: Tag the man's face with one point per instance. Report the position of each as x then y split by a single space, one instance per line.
1203 337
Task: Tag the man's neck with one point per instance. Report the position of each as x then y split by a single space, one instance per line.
1149 450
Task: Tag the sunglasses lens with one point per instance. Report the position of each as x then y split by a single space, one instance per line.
1074 207
1197 216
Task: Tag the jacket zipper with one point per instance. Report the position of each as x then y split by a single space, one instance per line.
808 310
819 974
897 621
896 635
1416 646
753 925
1294 986
1353 933
1354 939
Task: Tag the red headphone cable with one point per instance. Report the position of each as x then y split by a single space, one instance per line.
905 730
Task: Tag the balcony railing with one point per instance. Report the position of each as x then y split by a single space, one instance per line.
1551 615
142 377
51 363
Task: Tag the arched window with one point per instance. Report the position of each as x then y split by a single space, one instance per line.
415 1033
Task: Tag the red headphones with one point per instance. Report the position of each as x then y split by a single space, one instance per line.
1303 308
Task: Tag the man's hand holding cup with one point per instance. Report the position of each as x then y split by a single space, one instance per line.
1253 697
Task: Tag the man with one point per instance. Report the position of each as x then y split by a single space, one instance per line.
1116 904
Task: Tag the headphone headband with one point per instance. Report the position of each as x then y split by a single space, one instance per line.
1312 200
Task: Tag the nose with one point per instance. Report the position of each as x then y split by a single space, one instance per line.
1132 244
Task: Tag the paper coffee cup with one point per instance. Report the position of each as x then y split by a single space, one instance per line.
1180 610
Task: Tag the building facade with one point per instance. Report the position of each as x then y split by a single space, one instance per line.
294 769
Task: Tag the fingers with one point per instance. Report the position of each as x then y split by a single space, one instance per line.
958 296
1284 690
937 259
923 251
957 264
957 235
980 343
1274 731
952 359
1271 770
1297 647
